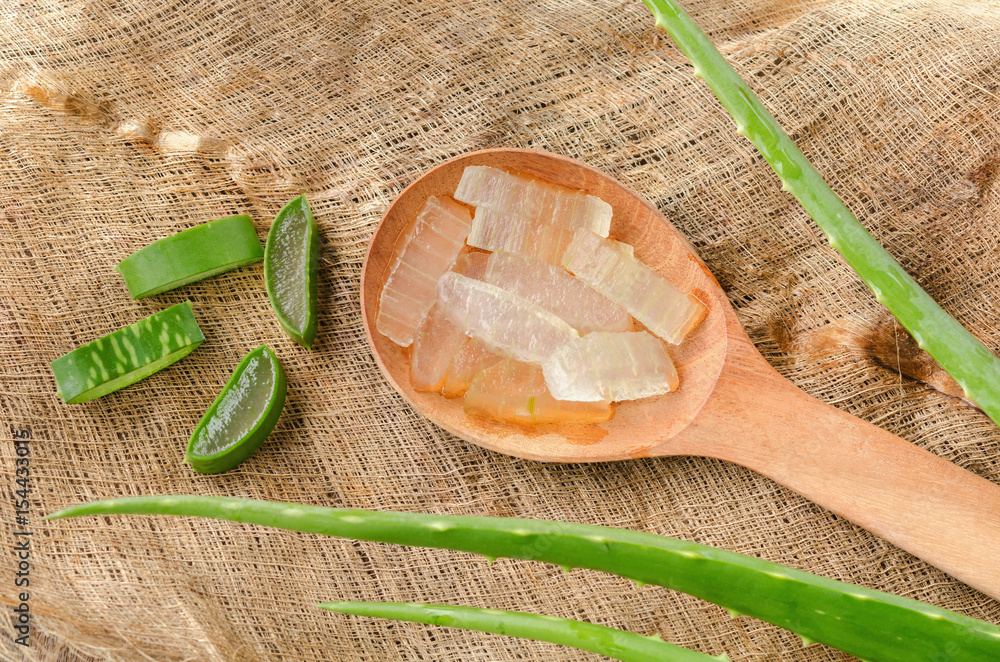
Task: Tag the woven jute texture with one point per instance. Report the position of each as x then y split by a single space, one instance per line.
123 122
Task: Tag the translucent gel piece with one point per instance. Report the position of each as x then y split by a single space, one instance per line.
557 291
429 250
242 406
497 231
533 200
516 392
506 324
660 306
471 358
610 366
437 341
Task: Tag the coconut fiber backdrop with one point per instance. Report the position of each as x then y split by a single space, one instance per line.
123 122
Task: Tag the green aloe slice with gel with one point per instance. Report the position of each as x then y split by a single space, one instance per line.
243 415
291 265
127 355
200 252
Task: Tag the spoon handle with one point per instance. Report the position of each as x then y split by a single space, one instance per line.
937 511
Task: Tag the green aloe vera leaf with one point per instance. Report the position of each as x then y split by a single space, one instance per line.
242 416
200 252
127 355
616 644
291 265
958 352
872 625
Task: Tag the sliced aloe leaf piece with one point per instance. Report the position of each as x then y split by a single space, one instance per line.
291 264
243 415
200 252
127 355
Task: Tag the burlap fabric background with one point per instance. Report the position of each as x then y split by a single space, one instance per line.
122 122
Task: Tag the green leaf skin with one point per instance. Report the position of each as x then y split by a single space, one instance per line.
609 642
869 624
243 448
958 352
283 285
200 252
127 355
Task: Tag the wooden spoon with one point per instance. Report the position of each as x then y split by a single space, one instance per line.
731 403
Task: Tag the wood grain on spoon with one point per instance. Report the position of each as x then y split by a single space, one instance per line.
730 405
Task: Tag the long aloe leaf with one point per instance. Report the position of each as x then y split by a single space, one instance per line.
616 644
958 352
875 626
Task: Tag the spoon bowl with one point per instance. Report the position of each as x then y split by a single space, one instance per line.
636 425
731 404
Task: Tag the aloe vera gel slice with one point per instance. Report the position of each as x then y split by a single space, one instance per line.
200 252
127 355
291 264
610 366
243 415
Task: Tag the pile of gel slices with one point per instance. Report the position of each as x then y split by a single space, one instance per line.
512 295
